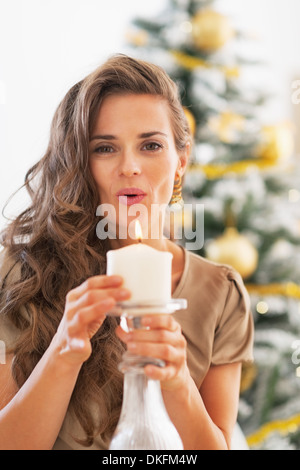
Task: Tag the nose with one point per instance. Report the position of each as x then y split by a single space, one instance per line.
129 165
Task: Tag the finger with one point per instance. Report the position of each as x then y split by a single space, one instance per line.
95 296
151 336
165 352
163 321
95 282
87 316
170 377
160 373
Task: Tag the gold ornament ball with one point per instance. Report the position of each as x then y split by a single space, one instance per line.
278 142
227 125
211 30
234 249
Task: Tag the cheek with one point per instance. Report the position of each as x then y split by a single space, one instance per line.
98 174
165 184
93 170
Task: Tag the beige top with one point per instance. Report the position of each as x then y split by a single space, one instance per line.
217 324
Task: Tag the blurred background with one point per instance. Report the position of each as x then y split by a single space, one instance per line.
238 69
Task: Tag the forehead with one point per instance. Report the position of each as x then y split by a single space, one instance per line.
121 112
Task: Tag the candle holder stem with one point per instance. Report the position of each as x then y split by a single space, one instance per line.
130 359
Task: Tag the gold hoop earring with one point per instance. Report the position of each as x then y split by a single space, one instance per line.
177 194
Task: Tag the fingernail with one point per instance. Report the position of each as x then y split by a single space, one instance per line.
115 278
123 293
131 346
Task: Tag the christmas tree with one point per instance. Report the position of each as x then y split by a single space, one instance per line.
243 172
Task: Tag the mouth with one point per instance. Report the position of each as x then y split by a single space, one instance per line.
130 196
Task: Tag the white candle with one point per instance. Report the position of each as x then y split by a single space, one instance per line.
147 272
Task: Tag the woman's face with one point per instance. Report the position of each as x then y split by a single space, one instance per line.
133 157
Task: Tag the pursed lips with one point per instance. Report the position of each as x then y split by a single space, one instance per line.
130 196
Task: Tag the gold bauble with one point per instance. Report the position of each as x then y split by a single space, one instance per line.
211 30
191 120
227 125
234 249
277 142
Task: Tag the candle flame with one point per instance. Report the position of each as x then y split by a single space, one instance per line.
138 231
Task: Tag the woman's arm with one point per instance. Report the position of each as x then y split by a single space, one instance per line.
33 417
205 418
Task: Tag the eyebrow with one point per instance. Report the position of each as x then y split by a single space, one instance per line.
144 135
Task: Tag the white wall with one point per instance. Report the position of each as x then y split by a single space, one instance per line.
48 45
275 23
45 47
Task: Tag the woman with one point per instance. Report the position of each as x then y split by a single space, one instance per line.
121 131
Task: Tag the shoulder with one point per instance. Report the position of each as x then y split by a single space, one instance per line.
217 322
217 284
223 289
211 271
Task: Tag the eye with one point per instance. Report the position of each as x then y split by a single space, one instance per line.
152 146
104 149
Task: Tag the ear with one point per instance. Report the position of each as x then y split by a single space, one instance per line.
184 159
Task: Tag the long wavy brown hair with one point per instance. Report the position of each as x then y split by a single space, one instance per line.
54 243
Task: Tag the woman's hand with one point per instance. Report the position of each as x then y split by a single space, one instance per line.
85 312
160 338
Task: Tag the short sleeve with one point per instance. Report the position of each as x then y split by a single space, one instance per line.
234 334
